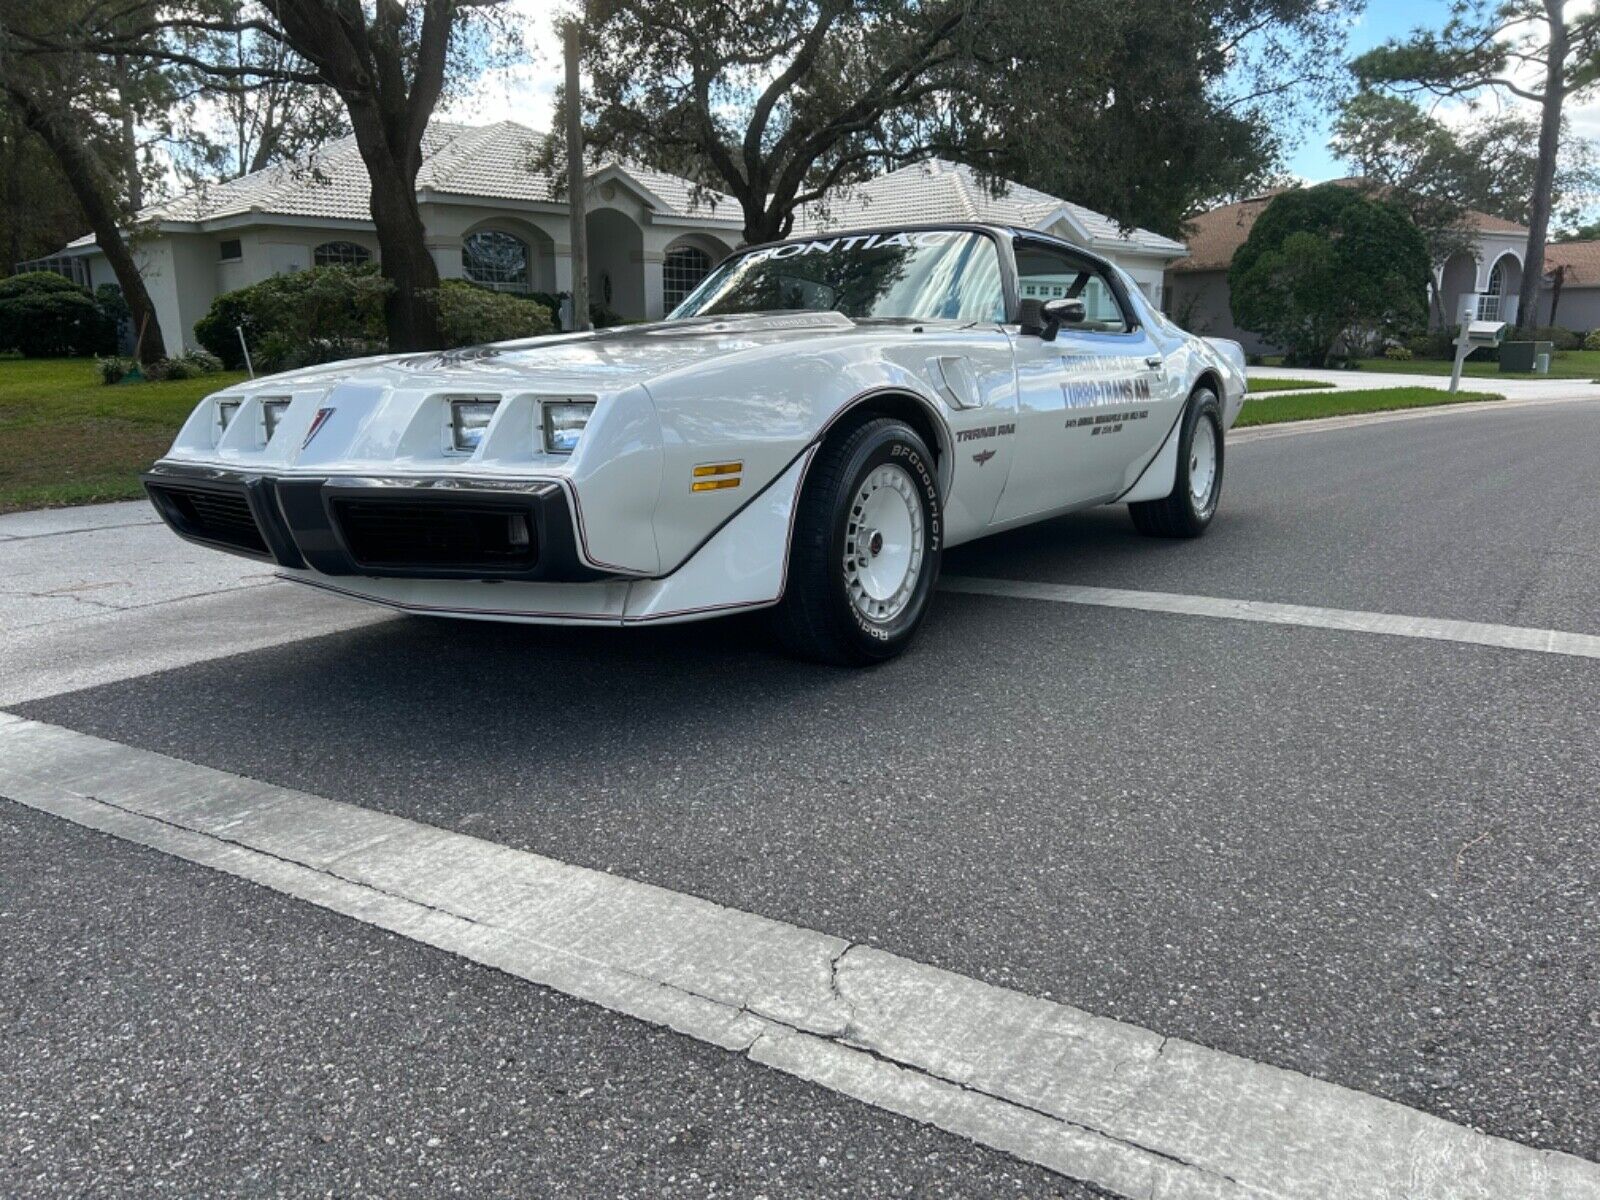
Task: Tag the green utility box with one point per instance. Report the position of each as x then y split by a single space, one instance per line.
1519 357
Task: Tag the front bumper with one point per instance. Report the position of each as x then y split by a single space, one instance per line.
376 526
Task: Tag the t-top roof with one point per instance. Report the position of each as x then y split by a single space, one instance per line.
937 190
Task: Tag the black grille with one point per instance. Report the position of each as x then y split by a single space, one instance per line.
450 535
212 514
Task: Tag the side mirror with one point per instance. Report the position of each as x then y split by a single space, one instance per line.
1045 318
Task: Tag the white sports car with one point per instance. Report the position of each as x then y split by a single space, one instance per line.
806 432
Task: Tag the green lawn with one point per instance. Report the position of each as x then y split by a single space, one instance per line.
1269 410
66 438
1568 364
1287 385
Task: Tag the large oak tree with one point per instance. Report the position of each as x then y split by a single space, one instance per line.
1142 108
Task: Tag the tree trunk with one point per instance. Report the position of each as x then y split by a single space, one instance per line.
88 182
1555 89
411 309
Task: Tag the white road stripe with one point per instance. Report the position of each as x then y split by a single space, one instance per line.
1477 633
1134 1112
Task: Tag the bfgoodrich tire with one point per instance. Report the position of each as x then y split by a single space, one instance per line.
1188 510
867 540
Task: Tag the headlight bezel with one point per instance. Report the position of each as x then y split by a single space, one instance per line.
273 409
559 436
467 437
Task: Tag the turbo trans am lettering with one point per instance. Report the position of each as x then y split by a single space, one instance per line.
1113 379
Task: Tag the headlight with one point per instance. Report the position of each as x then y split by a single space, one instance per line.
563 425
226 411
469 420
272 412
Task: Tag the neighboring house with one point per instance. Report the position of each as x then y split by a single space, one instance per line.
1577 305
489 217
1198 297
937 191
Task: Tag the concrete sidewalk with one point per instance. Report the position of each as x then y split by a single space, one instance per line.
104 592
1513 387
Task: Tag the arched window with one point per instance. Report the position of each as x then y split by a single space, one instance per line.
682 272
341 254
1497 279
496 259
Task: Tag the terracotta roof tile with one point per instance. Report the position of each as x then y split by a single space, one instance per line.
484 161
1581 260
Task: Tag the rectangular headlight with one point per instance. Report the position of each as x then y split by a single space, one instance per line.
272 412
469 420
563 424
226 411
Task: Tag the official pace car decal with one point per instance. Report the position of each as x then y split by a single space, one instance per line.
1103 381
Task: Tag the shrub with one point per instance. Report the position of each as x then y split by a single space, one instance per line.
334 305
114 369
330 313
1560 339
44 315
469 315
1325 262
1398 353
191 364
1592 342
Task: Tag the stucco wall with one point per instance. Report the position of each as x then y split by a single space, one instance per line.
1199 301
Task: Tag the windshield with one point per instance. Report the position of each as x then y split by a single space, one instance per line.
919 275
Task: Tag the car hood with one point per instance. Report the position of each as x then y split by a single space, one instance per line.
605 361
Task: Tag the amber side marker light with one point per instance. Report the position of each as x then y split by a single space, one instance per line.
713 477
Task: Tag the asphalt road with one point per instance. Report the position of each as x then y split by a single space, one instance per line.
1370 859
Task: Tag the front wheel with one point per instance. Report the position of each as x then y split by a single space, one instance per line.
1187 511
867 540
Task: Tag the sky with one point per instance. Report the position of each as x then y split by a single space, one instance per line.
1384 19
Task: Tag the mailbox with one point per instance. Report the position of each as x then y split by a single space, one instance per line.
1475 335
1480 334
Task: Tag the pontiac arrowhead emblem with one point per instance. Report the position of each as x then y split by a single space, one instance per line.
982 456
317 422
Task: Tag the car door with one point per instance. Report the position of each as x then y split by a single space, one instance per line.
1089 402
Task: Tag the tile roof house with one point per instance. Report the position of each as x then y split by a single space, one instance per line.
943 191
1198 298
490 216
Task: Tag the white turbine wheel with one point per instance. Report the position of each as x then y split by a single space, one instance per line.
883 544
1202 464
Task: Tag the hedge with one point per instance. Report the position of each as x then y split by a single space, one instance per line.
44 315
329 313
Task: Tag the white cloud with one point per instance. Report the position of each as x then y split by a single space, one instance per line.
522 91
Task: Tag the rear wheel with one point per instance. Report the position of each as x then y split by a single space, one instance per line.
1188 510
867 539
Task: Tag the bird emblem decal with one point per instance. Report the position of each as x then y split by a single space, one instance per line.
982 456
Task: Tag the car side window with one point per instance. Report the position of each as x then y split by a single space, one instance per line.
1047 274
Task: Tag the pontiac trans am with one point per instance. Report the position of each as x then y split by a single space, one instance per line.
806 432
